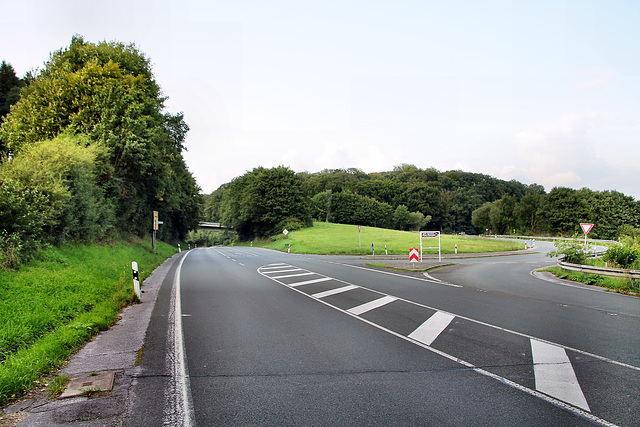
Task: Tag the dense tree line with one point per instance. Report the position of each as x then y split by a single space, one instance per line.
454 202
100 106
261 203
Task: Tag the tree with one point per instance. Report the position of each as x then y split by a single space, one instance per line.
480 217
564 210
527 210
10 86
255 203
402 218
107 92
49 194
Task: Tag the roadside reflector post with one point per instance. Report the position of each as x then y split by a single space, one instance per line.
385 250
179 250
456 249
289 249
136 279
373 249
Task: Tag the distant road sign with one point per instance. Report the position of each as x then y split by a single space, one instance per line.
414 255
285 232
586 227
428 234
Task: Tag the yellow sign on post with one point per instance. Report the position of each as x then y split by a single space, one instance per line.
155 220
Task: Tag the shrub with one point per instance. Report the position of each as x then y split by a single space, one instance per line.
48 194
573 251
622 256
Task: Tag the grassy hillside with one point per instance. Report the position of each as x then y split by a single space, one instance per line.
342 239
52 306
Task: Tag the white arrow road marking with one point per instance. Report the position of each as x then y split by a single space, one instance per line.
429 330
554 374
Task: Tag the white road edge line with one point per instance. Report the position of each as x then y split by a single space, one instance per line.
178 408
435 281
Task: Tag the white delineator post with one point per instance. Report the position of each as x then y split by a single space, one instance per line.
136 279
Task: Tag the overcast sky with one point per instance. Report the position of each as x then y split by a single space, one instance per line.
543 92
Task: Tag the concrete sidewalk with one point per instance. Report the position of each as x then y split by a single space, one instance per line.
116 350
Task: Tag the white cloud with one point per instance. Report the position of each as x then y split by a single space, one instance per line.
578 149
598 80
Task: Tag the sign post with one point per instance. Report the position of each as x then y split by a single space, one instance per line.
428 235
155 228
586 227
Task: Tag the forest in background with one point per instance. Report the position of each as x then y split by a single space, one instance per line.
411 198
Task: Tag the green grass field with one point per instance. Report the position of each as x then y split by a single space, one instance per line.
53 305
342 239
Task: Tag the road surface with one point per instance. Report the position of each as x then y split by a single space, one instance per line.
250 336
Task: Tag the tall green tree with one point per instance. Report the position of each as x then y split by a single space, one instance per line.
10 86
107 91
255 203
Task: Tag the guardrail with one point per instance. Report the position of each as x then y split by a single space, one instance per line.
509 236
604 271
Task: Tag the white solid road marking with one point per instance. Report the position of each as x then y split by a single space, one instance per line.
178 408
293 275
554 374
335 291
361 309
284 271
308 282
432 328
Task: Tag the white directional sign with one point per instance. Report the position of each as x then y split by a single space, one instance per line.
429 234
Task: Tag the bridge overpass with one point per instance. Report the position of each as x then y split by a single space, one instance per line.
213 226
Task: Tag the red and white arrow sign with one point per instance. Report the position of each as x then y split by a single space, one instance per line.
586 227
414 255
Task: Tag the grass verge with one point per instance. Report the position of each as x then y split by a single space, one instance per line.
618 284
53 305
341 239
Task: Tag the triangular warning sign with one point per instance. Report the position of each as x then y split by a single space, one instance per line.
586 227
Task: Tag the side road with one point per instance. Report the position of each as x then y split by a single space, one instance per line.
116 350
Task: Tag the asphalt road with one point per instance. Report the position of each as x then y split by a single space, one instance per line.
253 337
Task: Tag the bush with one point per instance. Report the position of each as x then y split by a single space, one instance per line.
622 256
573 251
290 224
49 194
